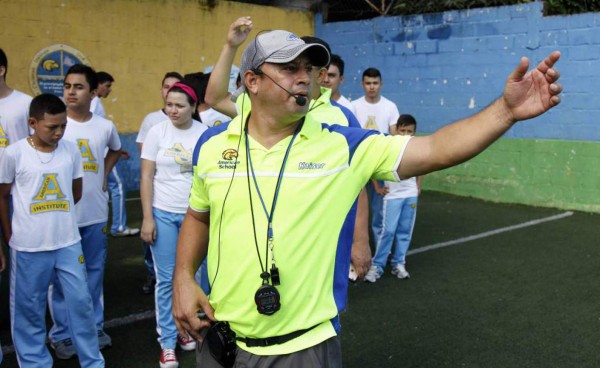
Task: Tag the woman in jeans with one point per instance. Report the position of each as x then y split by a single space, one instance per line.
165 185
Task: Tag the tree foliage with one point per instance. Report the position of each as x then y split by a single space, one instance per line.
551 7
341 10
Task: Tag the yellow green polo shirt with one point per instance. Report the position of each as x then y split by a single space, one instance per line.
326 169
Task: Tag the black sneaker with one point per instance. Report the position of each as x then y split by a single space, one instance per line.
148 287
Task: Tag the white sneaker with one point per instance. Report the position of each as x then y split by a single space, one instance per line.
128 231
168 359
373 274
400 272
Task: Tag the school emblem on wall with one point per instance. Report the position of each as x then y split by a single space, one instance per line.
49 66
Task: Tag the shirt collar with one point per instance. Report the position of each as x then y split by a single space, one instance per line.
310 128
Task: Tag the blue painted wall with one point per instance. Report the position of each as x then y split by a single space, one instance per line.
130 169
445 66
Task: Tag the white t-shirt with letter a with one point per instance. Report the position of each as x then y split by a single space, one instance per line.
171 150
93 137
378 116
44 216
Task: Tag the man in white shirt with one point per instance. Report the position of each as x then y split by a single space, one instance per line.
374 111
105 82
14 109
115 183
334 78
95 137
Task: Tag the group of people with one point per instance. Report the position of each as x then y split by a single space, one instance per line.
42 178
263 193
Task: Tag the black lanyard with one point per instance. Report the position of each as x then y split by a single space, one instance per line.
265 275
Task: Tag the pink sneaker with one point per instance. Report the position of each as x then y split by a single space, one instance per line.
186 343
168 359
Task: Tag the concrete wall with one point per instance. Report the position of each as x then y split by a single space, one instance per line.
137 41
445 66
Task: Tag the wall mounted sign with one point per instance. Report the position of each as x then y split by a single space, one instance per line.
49 66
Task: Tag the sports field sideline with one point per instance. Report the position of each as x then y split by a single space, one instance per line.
491 285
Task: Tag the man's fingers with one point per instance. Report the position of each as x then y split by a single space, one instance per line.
549 61
552 75
191 325
520 70
556 88
208 310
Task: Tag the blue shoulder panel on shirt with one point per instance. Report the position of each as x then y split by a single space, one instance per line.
354 136
208 134
352 120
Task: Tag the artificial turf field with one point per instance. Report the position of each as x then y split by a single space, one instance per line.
527 297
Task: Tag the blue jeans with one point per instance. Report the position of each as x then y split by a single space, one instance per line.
94 244
148 261
163 252
116 188
30 275
398 222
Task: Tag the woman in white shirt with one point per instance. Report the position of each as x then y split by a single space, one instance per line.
165 186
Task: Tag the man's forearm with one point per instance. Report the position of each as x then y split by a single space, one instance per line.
110 161
217 94
456 142
5 217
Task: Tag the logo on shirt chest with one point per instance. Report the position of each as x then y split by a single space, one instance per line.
310 165
3 137
229 161
89 161
371 123
49 197
183 157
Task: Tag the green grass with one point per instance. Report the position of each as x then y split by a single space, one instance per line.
525 298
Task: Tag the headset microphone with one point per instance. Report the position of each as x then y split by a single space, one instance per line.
300 100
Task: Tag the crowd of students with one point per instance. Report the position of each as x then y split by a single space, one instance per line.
57 158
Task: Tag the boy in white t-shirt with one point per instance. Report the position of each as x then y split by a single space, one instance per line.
94 136
399 214
334 78
45 176
376 112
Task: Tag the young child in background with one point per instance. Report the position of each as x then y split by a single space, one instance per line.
45 175
399 213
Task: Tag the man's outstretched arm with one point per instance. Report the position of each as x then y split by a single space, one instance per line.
526 95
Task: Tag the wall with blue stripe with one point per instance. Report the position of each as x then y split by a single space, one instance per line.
444 66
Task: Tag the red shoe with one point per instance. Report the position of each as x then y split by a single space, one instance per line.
168 359
186 343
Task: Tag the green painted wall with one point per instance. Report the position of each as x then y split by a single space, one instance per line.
548 173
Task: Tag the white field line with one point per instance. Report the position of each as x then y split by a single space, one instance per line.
122 321
117 322
489 233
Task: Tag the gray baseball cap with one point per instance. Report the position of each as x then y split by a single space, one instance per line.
281 47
